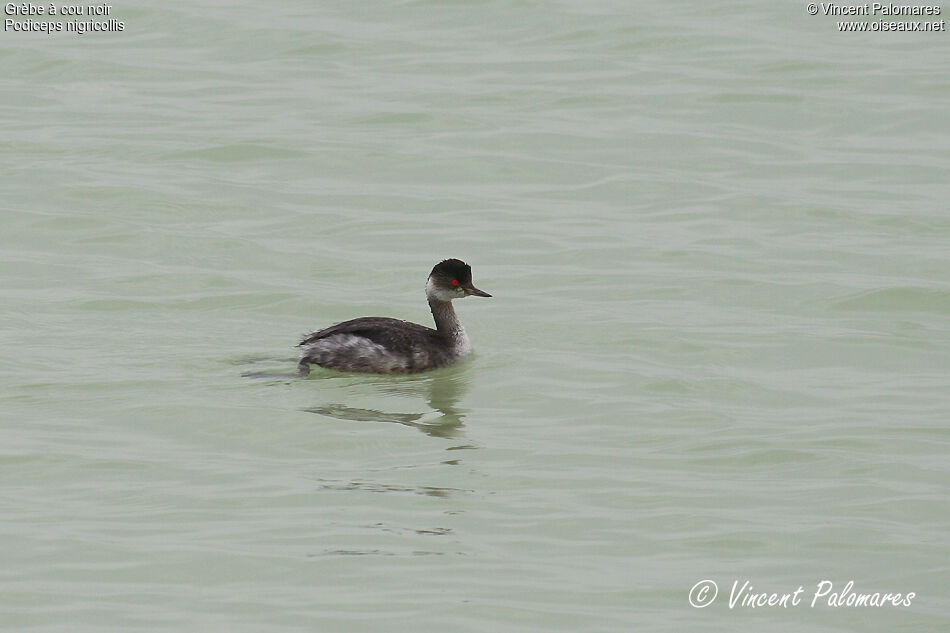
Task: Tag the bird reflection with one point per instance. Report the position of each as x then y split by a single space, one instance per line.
442 391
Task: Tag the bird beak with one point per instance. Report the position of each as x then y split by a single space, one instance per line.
472 290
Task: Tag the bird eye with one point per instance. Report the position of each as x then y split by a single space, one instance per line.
455 282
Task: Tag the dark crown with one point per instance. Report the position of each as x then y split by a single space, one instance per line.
450 269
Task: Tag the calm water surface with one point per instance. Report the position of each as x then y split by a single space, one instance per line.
719 344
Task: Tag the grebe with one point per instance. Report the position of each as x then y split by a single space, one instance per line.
388 346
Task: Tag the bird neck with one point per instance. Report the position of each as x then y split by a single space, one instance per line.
446 321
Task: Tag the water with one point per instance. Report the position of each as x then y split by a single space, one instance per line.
718 348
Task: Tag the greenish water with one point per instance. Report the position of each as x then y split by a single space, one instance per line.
719 344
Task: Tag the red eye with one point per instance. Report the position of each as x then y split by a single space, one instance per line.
455 282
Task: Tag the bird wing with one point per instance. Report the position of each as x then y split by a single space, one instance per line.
382 330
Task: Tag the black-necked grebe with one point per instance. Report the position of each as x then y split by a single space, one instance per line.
385 346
